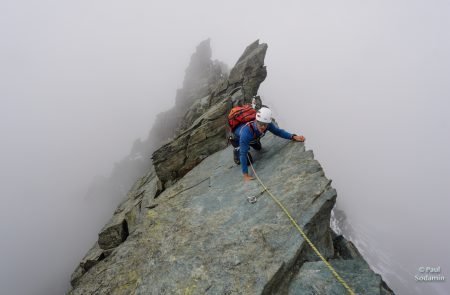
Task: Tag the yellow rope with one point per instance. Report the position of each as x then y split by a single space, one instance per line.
333 271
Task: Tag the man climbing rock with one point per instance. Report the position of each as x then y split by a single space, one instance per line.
249 135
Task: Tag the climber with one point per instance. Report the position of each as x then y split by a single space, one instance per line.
249 135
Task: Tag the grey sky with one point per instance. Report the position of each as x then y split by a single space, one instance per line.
365 82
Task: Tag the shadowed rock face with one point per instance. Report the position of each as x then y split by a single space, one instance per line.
186 226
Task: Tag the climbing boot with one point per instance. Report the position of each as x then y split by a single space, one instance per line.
236 156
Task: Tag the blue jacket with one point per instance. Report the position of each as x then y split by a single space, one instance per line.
244 135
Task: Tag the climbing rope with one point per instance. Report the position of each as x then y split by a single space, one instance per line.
330 267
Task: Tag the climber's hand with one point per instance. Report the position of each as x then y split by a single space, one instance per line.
300 138
248 177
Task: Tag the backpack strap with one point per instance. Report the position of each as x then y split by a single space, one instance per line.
250 124
252 128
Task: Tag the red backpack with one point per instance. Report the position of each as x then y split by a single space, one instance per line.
241 115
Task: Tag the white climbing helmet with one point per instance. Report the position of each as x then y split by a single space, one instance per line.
264 115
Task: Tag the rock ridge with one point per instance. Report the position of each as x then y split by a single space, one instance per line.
186 227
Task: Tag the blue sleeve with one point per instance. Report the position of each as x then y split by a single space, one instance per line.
244 141
279 132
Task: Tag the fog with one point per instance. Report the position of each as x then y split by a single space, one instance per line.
365 83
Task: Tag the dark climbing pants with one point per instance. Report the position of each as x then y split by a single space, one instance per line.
256 144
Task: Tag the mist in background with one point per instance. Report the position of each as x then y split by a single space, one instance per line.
365 83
